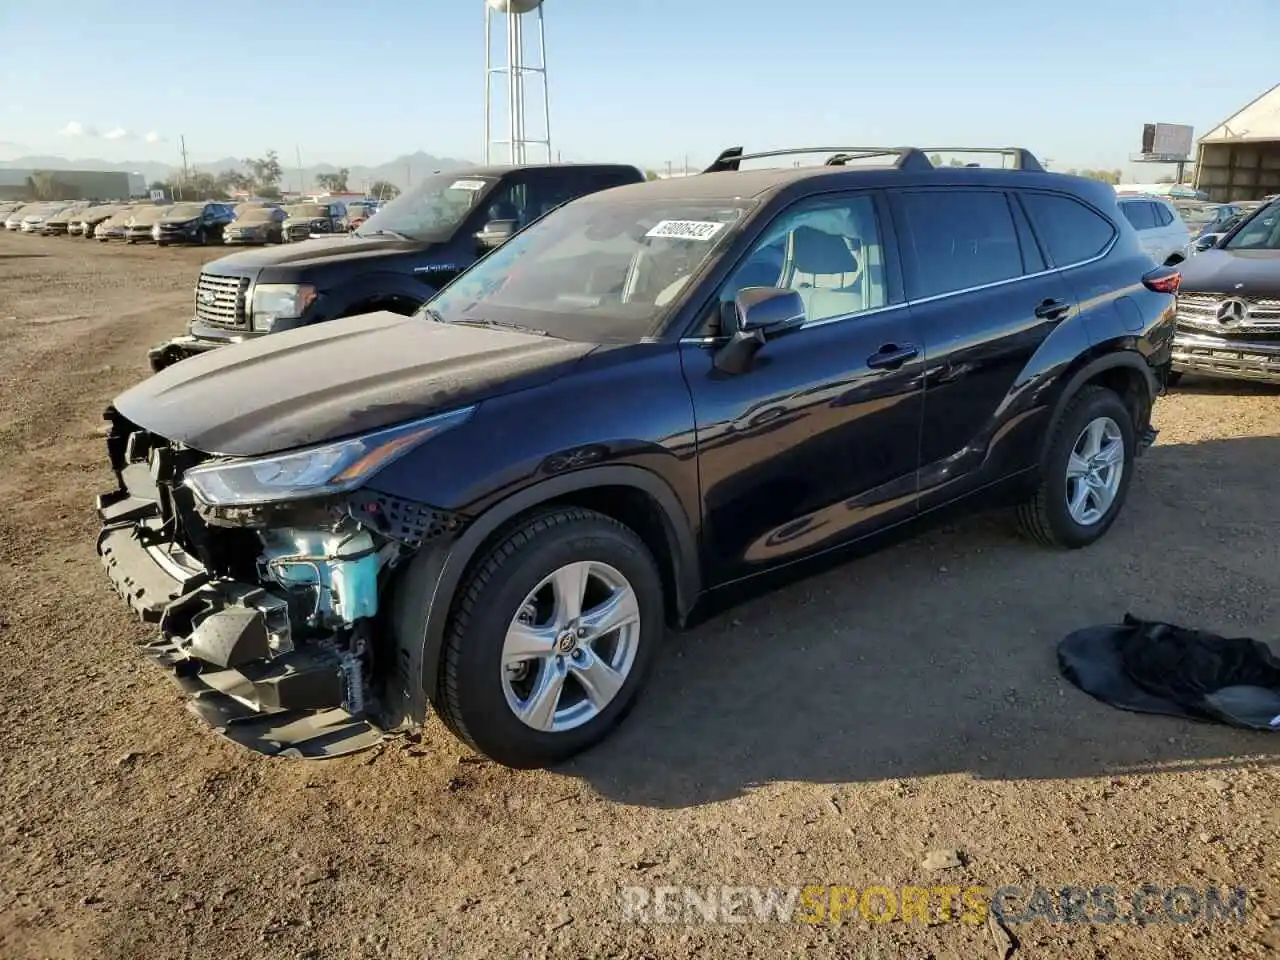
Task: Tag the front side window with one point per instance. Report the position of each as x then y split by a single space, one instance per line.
960 239
827 249
595 269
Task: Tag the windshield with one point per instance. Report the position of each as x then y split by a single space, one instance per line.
150 215
1260 233
1196 215
309 211
257 215
187 211
604 270
434 208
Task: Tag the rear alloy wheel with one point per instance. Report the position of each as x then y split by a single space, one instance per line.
1086 474
551 639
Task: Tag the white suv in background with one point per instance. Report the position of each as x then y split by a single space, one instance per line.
1163 233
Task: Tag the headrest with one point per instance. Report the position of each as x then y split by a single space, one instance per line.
816 252
503 210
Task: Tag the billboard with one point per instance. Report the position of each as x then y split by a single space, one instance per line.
1169 140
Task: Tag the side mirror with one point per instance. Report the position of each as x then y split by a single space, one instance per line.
757 315
496 233
1208 241
768 312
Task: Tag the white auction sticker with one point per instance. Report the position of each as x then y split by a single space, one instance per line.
468 185
686 229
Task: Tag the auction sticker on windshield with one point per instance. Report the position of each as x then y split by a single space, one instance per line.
468 185
685 229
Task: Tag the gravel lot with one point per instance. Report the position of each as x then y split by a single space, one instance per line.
834 732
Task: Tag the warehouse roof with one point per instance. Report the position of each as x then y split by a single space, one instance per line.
1258 120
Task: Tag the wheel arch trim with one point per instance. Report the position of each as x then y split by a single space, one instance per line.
421 622
1120 359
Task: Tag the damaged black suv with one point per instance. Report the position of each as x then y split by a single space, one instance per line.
648 402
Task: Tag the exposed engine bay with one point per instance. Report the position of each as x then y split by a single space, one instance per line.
268 615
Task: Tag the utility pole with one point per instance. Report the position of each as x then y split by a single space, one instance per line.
182 141
302 186
668 168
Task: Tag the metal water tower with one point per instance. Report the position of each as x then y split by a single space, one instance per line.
512 13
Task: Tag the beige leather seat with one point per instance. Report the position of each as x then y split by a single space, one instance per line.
822 267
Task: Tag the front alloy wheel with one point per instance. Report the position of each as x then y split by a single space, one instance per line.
569 650
551 637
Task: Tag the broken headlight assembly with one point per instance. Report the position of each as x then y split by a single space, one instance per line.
318 471
279 301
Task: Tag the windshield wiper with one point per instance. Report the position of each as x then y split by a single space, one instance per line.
383 233
482 322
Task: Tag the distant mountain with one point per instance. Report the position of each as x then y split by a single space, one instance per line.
402 171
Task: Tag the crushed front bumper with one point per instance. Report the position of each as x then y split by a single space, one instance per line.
230 645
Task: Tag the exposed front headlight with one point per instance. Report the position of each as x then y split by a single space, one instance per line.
315 471
279 301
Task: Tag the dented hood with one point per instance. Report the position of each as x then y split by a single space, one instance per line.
336 379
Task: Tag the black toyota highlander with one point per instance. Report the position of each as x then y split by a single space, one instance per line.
651 401
1229 303
396 260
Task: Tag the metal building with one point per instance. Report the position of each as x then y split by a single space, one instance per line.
1239 159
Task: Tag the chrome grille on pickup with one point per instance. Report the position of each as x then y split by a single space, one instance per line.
1224 313
221 300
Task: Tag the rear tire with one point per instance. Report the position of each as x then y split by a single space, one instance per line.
1080 494
519 597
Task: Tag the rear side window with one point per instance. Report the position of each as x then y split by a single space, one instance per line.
961 239
1163 216
1140 213
1070 231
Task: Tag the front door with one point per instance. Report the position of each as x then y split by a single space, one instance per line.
817 442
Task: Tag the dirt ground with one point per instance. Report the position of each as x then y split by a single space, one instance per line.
834 732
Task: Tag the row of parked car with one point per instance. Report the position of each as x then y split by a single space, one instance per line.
199 222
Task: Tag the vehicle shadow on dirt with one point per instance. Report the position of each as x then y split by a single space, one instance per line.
939 655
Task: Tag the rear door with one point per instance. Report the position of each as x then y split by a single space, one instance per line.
984 300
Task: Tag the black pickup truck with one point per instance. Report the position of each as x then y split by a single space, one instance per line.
396 261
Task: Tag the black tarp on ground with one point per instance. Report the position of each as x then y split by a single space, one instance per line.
1153 667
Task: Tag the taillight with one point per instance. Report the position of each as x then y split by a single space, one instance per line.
1163 280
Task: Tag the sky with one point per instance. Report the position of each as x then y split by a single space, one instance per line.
641 81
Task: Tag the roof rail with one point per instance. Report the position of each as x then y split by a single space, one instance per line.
905 158
1023 159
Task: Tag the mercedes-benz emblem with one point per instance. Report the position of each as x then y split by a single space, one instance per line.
1232 312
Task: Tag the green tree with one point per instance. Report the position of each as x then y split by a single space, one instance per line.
228 181
266 170
333 182
383 190
650 174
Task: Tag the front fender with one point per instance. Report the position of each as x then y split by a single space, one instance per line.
423 595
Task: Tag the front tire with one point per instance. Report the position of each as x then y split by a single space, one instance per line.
1086 473
551 638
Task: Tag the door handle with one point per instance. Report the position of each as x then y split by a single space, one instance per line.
891 356
1052 309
